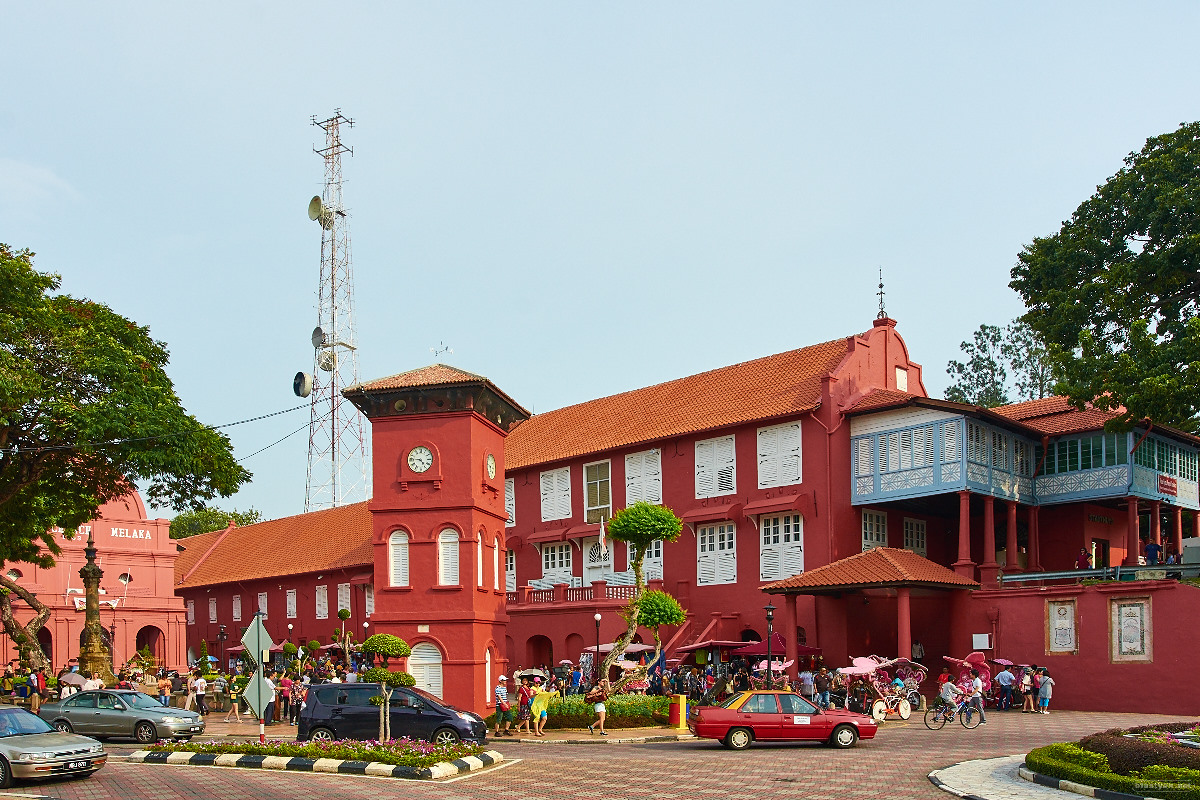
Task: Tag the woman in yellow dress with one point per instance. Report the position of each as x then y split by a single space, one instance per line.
539 707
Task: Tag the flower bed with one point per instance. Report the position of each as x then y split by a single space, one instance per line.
624 711
1148 760
399 752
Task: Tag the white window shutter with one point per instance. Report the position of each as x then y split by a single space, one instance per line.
343 596
726 466
212 609
634 487
510 571
191 612
479 561
705 469
862 452
510 501
768 457
262 603
448 558
652 476
369 599
398 545
549 504
706 569
769 563
791 455
564 493
792 561
290 605
556 494
237 608
727 566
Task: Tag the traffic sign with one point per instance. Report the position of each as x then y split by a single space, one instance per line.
257 694
257 641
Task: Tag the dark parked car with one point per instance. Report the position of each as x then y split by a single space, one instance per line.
121 713
344 711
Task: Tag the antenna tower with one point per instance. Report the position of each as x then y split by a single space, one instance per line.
337 449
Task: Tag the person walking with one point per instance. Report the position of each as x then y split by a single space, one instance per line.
296 699
504 712
806 683
191 692
201 693
822 683
1045 691
576 679
37 689
596 697
235 703
977 695
524 707
164 689
539 707
1027 696
1006 680
269 718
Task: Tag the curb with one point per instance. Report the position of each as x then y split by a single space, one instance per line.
1072 786
443 769
683 737
936 781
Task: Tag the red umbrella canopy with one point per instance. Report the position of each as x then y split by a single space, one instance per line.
778 647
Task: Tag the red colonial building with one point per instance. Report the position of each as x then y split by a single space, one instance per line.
138 604
481 544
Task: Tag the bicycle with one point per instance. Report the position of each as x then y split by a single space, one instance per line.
937 716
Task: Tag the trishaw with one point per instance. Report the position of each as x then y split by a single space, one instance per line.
887 688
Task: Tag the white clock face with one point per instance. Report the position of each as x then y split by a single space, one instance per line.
491 467
420 459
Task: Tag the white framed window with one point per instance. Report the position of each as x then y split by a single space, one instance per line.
322 602
901 379
510 502
343 596
237 608
556 494
398 558
716 467
781 547
914 535
597 491
556 561
369 599
716 561
262 603
510 571
191 612
448 558
496 565
779 461
874 530
643 477
479 561
212 609
652 564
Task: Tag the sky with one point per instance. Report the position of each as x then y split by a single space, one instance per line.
578 198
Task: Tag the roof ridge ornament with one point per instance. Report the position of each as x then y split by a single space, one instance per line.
882 312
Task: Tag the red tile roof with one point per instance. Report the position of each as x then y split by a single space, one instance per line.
877 399
883 566
1055 416
775 386
433 375
326 540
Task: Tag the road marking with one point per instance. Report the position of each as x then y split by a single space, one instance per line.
479 772
17 794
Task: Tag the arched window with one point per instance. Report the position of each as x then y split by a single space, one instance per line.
398 558
496 566
479 561
487 673
425 665
448 558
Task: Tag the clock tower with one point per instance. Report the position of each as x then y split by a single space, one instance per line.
437 511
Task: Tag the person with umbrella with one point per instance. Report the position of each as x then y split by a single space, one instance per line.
68 682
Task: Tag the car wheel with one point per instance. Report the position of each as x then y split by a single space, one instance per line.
321 735
62 726
844 736
145 733
446 736
5 774
738 739
904 709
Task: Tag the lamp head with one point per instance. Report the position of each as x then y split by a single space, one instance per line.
597 618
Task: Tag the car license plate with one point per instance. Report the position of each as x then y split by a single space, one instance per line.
195 727
77 764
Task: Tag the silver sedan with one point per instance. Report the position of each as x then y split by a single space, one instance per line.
30 748
121 713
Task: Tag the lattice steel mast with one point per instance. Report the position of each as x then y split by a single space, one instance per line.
337 450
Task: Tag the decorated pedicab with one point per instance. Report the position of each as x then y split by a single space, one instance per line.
884 687
962 671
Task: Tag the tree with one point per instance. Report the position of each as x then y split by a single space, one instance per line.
86 411
1002 363
209 518
1114 293
386 646
639 526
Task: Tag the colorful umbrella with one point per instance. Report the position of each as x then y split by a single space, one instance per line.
1003 661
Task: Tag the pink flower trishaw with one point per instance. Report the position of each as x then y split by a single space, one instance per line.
885 687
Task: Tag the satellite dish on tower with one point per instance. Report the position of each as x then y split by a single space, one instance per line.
318 337
302 384
315 208
327 361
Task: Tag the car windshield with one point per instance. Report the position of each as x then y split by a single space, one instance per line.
18 722
140 700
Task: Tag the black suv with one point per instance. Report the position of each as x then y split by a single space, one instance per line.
344 711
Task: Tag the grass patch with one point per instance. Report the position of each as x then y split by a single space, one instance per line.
398 752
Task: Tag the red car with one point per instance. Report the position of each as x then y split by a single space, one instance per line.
778 716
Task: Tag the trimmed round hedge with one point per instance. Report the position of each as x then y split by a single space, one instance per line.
623 711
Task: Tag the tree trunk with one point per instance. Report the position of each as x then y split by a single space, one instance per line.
614 655
24 637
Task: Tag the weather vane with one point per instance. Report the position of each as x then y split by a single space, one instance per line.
440 349
882 313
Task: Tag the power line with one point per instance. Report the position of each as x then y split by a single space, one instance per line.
278 441
111 442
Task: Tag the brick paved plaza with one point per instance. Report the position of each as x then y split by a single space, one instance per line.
894 765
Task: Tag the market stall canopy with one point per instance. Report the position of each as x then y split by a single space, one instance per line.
882 567
711 643
778 647
629 648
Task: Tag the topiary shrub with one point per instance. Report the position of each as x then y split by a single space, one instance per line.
1127 756
1163 774
623 711
1061 761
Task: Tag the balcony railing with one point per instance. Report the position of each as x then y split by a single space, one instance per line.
599 591
1118 573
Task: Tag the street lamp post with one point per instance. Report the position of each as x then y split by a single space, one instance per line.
770 609
596 663
365 626
222 637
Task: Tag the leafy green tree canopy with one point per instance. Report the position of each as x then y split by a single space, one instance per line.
657 609
87 410
642 523
209 518
1003 365
387 646
1115 292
